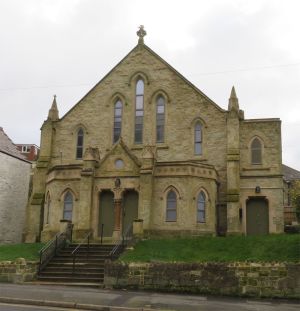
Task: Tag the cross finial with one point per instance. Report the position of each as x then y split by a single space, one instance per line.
141 34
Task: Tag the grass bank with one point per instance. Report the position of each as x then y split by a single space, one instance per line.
281 247
11 252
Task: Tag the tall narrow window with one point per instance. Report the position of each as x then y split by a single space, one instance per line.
68 206
160 119
256 154
198 139
48 206
79 146
201 207
117 120
171 206
139 112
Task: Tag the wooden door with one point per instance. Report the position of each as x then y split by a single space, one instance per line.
106 213
257 216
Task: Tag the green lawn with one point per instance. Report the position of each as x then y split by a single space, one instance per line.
13 251
235 248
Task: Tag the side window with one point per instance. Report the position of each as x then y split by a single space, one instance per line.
48 207
117 121
68 206
171 210
201 204
139 112
198 139
79 145
160 120
256 151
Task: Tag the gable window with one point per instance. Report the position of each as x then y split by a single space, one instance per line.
201 207
160 119
198 139
68 206
79 146
256 151
171 212
117 121
139 112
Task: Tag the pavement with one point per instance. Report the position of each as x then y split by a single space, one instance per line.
79 298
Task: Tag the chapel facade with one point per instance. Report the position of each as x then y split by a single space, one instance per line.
146 148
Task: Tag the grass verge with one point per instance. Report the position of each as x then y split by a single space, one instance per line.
29 251
281 248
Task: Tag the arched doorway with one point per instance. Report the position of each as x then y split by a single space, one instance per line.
257 216
130 208
106 213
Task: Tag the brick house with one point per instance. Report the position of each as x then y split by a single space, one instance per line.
14 187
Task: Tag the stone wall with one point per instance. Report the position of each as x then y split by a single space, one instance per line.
18 271
14 187
281 280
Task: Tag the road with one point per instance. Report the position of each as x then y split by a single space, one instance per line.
134 299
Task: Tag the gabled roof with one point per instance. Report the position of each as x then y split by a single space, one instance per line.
289 173
159 58
8 147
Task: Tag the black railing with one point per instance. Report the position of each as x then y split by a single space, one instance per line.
123 242
102 227
76 250
53 246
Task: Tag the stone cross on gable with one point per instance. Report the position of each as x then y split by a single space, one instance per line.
141 34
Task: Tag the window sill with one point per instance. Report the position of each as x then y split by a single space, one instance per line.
137 147
256 168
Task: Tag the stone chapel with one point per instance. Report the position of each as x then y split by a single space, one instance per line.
146 149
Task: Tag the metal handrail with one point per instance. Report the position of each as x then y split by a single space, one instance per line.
121 243
53 246
76 250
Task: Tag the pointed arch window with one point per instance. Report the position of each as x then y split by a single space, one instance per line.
171 211
198 139
117 120
68 206
256 151
48 207
201 205
160 120
139 112
79 146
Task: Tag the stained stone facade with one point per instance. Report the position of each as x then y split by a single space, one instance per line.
146 148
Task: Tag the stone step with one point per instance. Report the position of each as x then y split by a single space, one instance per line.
58 283
69 274
79 268
70 279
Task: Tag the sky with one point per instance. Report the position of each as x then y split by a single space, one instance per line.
65 47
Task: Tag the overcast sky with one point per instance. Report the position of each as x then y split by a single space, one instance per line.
65 47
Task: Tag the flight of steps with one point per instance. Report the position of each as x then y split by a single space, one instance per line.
89 268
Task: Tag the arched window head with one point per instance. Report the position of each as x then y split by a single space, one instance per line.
198 139
201 205
160 119
139 112
68 206
117 120
171 211
79 146
256 151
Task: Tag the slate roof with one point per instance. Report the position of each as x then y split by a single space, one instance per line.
8 147
290 173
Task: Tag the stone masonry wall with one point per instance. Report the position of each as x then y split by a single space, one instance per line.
281 280
18 271
14 187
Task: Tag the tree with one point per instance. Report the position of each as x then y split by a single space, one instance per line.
295 196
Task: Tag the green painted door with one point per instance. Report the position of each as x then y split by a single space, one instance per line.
257 216
106 213
130 208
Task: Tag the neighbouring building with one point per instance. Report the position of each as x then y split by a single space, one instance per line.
30 151
147 147
290 179
14 187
